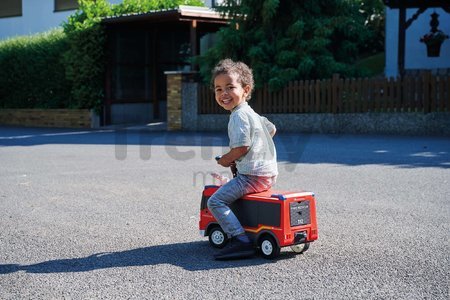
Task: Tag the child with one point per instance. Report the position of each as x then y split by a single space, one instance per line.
252 152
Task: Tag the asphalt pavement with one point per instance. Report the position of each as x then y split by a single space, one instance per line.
113 214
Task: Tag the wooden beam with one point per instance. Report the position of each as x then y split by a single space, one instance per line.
154 72
401 41
193 41
417 3
415 16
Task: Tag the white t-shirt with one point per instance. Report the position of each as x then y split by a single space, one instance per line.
247 128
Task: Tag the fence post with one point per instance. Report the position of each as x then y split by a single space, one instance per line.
318 96
426 91
335 93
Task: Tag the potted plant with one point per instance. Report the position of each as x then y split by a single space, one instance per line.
434 40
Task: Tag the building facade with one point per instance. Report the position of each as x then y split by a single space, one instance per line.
24 17
417 24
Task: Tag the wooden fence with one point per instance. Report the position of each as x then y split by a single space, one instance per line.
424 93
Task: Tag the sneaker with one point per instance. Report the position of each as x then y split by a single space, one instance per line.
237 250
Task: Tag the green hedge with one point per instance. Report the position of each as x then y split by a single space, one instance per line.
32 73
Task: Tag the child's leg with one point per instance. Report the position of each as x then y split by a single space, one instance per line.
220 201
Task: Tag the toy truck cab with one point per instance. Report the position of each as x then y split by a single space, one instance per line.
273 219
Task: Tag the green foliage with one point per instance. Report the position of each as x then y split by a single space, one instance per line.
85 57
373 65
139 6
290 40
373 12
32 72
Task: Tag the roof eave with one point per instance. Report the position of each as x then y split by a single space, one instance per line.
182 13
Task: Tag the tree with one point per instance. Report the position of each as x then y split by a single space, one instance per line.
289 40
373 12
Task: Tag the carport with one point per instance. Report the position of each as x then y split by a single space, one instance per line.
140 48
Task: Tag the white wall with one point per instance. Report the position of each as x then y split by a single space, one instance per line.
37 16
415 51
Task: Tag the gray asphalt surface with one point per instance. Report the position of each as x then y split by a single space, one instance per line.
114 215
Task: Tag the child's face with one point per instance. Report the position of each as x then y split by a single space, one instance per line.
229 92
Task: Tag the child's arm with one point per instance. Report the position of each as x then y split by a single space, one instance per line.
235 153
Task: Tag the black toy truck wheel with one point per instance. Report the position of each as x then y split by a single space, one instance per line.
268 247
300 248
217 237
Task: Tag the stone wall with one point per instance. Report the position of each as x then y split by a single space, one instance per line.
370 123
364 123
69 118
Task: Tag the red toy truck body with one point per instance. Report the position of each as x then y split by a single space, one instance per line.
273 219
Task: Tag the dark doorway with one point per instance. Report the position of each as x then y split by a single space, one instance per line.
140 49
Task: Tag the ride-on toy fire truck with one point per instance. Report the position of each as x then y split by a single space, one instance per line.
272 219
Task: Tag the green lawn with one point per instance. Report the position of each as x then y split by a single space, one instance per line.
373 65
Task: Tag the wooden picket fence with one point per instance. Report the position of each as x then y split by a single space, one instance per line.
424 93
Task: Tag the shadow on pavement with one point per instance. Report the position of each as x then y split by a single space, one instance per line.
351 150
193 256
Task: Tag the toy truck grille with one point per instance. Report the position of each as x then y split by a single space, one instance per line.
300 213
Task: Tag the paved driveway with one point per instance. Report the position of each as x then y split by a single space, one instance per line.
114 215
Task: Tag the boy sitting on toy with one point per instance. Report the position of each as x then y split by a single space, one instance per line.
252 151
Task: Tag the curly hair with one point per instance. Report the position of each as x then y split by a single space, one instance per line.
228 66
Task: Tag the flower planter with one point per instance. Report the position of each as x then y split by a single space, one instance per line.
434 50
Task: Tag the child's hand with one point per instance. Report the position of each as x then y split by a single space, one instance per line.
228 159
225 163
222 162
222 179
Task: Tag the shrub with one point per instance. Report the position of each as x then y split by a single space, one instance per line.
32 72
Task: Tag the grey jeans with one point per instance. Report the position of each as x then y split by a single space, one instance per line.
242 185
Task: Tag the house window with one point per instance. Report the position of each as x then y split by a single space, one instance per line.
10 8
65 5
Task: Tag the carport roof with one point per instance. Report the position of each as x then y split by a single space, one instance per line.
182 13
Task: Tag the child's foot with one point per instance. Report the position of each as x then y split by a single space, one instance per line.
241 247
